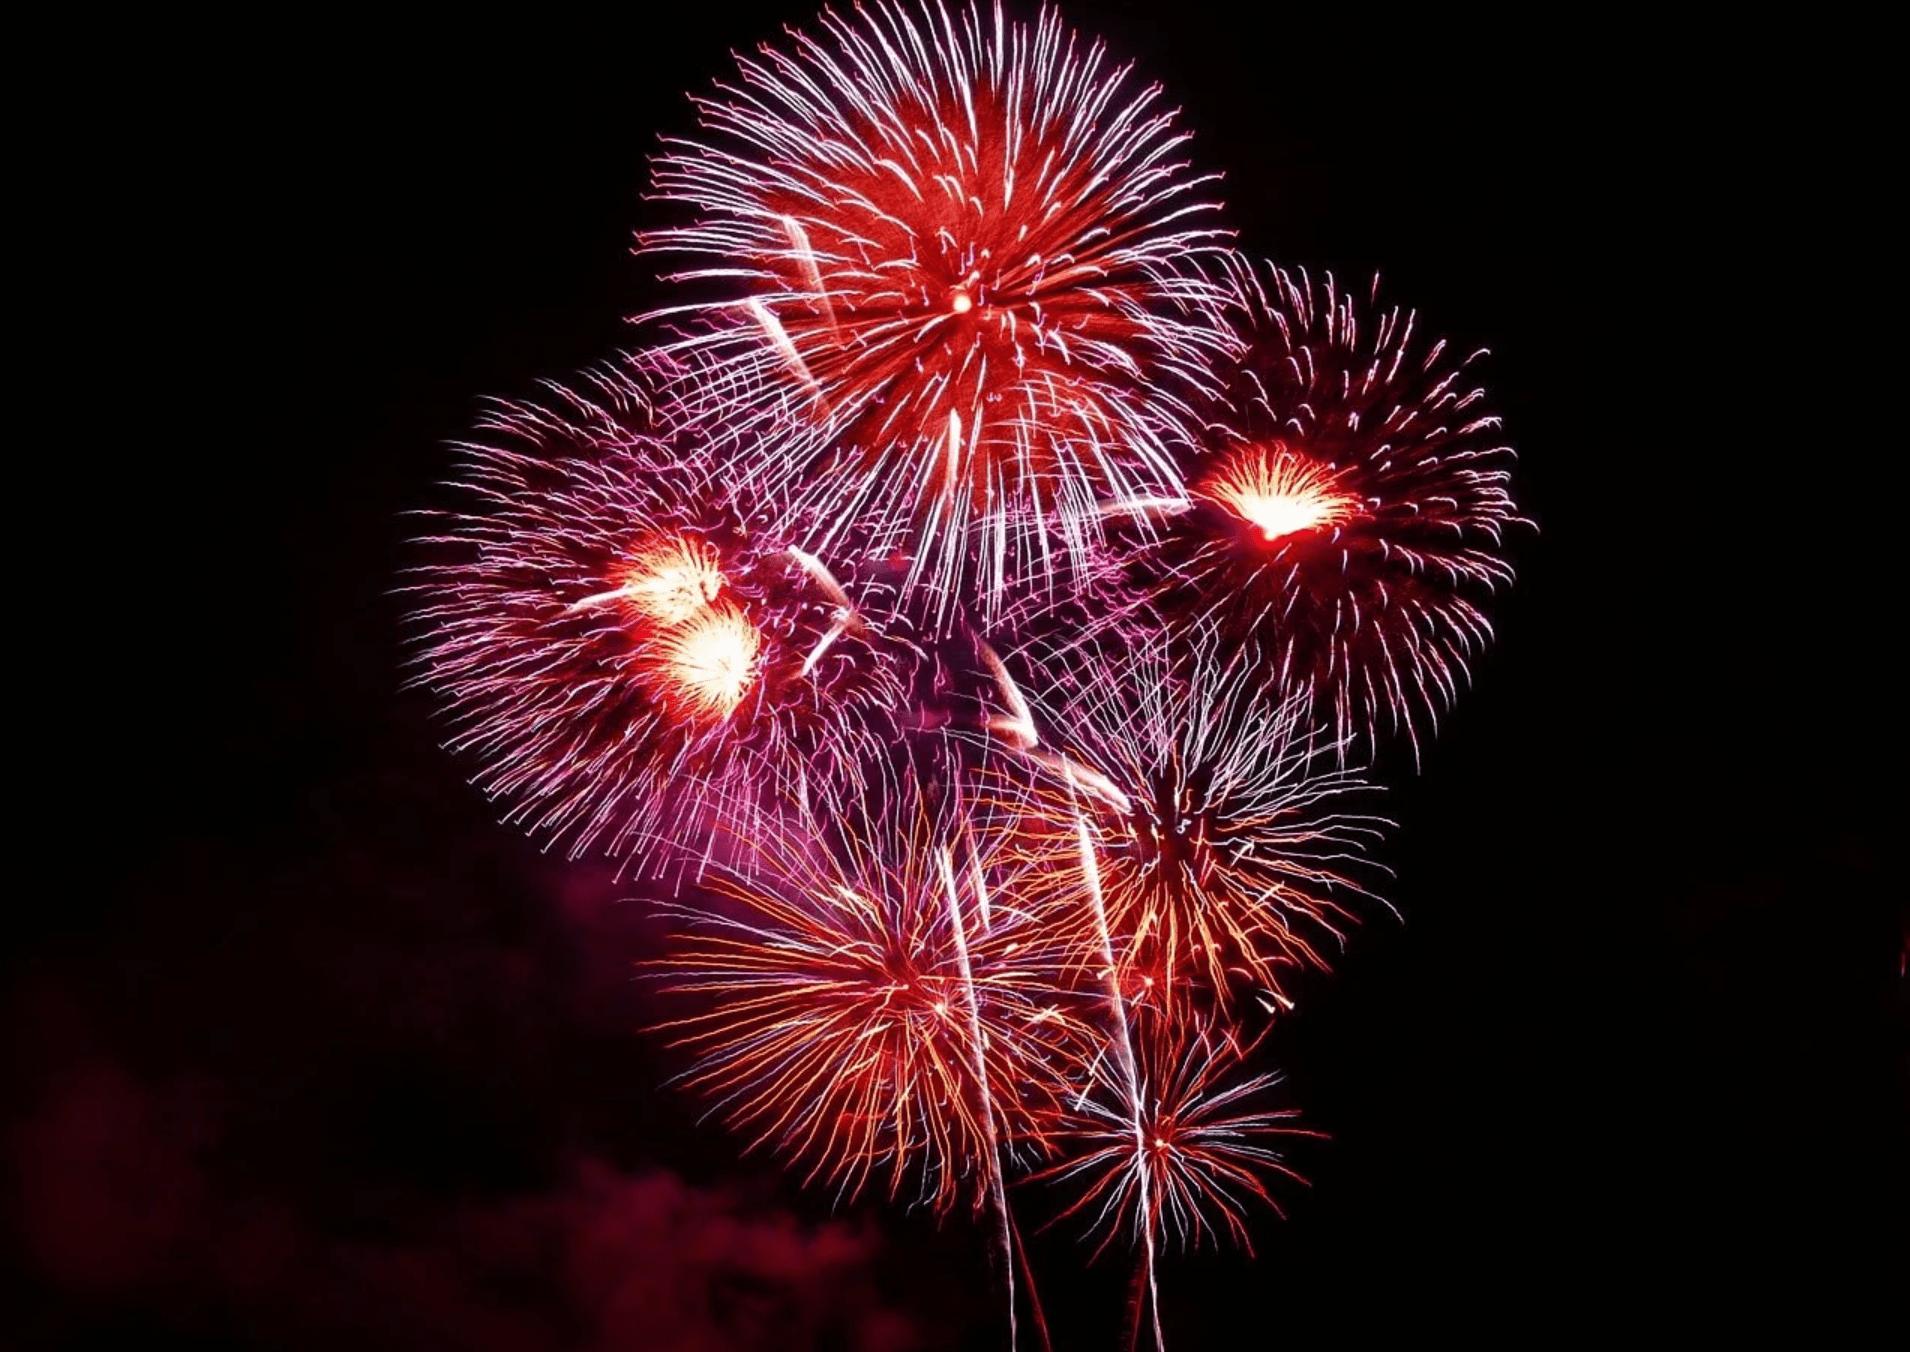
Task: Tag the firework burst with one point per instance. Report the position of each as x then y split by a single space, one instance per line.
966 259
1213 809
1191 1161
972 613
875 1008
617 640
1351 514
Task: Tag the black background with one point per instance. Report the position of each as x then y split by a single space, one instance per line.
1634 1059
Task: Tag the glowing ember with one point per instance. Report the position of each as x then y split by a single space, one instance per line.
1353 521
708 665
1281 493
672 580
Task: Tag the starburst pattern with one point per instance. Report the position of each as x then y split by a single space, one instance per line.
1351 515
969 258
1197 1154
973 613
616 638
1220 816
872 1006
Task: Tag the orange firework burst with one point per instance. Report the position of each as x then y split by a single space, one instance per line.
968 257
1211 808
1187 1160
875 1005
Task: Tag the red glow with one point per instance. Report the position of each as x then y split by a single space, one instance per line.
963 363
972 257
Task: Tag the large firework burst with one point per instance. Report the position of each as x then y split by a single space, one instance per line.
873 1006
1214 810
966 257
1350 515
616 638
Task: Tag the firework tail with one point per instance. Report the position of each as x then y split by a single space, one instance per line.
997 1192
1124 1059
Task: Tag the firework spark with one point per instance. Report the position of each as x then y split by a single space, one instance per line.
1219 839
1280 494
617 640
1351 516
1120 1045
967 257
669 580
874 1007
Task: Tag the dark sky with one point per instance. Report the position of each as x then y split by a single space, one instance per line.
305 1051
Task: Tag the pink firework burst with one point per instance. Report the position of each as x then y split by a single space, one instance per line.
1351 514
616 638
966 261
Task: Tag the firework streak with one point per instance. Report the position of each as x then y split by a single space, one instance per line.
971 616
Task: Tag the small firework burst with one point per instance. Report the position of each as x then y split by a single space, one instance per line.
1183 1155
967 259
1350 516
616 638
1213 809
874 1008
1280 494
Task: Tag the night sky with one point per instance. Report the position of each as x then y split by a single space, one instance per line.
304 1050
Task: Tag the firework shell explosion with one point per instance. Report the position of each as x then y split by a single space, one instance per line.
975 606
1350 515
1188 1168
617 642
1226 838
873 1005
968 262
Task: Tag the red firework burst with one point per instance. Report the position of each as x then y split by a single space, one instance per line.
1212 809
1188 1160
875 1006
1351 516
966 258
617 639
